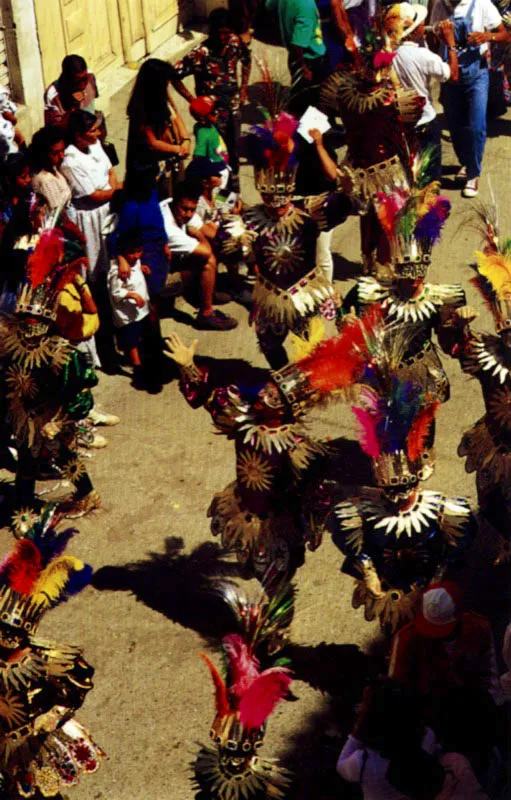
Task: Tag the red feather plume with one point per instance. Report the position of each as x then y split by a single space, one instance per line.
70 272
338 362
263 694
24 566
48 252
221 698
419 430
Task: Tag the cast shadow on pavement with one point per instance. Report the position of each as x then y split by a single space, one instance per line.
178 585
346 270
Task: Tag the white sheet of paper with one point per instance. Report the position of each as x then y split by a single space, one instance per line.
313 118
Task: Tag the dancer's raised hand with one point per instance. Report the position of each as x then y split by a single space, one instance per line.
177 351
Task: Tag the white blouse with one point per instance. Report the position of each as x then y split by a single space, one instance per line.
86 173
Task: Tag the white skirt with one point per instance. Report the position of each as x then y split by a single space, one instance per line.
91 223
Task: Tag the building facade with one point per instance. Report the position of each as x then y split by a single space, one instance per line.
35 35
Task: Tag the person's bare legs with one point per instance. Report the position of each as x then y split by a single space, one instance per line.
207 282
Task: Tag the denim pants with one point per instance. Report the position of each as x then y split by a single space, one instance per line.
465 106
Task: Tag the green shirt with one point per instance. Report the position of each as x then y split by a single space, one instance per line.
299 25
209 143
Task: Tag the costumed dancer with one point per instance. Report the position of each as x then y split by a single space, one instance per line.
46 381
290 288
255 682
398 537
378 115
487 357
43 748
261 514
412 224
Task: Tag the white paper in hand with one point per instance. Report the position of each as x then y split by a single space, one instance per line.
313 118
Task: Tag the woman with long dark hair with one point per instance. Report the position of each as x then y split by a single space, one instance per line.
157 133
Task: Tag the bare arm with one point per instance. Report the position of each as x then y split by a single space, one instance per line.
160 145
327 162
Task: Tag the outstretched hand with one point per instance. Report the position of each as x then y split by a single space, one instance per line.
177 351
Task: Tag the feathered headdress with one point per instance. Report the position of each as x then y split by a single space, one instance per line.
54 258
413 219
493 264
334 365
271 147
394 416
36 575
245 696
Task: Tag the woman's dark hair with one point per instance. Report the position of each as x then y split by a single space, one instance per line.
140 180
129 240
42 141
219 18
71 65
148 104
391 716
80 122
13 166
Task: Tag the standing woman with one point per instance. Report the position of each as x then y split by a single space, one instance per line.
157 134
47 152
90 174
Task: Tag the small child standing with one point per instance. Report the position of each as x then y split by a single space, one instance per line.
129 297
208 141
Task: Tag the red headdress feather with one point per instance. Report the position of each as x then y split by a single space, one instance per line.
48 252
419 430
23 566
479 283
337 363
262 696
70 272
221 699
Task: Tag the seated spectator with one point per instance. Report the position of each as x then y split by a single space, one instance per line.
445 647
393 755
130 299
74 89
47 152
192 254
215 212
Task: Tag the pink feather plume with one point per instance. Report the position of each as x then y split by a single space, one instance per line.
263 694
367 423
243 668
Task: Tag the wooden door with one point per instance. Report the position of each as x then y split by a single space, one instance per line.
133 29
90 28
160 18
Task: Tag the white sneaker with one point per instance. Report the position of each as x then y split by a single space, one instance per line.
102 418
91 440
471 188
461 174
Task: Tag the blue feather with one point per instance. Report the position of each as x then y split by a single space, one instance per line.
78 581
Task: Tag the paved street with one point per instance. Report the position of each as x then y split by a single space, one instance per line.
142 627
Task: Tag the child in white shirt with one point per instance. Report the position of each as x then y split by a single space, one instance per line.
129 297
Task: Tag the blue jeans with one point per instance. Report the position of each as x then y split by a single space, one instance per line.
465 106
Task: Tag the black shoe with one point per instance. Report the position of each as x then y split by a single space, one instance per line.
216 321
243 296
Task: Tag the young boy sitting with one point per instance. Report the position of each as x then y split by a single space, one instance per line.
130 299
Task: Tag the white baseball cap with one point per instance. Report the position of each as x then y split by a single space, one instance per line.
440 611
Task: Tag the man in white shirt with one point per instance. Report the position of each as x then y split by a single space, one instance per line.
415 66
477 22
191 253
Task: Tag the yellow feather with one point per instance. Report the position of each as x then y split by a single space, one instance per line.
53 580
496 268
300 347
427 198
